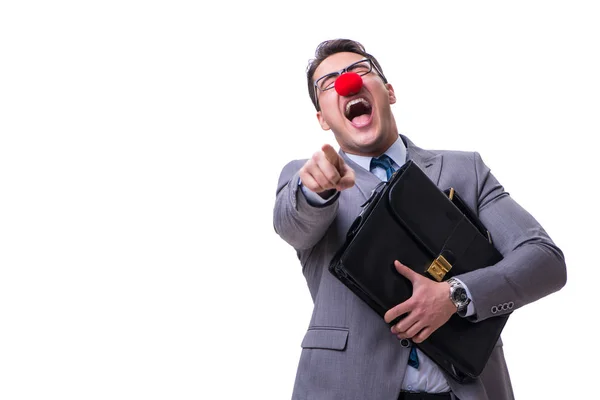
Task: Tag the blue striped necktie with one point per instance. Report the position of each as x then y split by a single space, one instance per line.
413 358
384 162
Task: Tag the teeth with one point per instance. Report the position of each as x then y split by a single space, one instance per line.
356 101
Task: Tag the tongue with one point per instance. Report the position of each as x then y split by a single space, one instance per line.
361 119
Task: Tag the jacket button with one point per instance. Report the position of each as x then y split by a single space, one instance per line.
494 309
404 343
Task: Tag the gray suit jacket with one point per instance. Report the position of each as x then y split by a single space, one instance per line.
348 352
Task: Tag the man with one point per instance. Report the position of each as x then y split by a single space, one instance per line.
348 351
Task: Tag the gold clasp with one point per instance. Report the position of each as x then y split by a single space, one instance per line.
439 268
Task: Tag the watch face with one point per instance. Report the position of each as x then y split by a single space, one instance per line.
459 295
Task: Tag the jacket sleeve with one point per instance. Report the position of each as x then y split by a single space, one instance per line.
533 266
297 222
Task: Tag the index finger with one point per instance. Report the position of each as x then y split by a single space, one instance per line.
331 155
406 272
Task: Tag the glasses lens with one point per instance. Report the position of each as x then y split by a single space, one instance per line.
361 68
327 81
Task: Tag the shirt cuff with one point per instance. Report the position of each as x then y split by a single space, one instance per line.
313 198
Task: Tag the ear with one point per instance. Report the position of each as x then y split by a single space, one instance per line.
391 93
324 125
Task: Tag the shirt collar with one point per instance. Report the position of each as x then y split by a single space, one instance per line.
397 152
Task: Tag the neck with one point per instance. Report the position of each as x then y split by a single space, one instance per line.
376 151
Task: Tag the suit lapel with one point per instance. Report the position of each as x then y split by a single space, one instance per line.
429 162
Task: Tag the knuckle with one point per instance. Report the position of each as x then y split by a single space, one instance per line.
308 165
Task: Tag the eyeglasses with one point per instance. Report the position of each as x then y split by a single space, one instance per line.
327 82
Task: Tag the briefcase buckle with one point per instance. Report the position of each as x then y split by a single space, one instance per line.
439 268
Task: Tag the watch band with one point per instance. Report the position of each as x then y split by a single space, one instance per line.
458 295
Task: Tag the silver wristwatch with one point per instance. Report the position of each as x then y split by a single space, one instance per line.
458 295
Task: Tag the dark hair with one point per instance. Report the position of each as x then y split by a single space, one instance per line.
328 48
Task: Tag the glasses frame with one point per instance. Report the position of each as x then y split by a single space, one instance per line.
343 71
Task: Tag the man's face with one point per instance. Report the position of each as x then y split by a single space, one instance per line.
362 123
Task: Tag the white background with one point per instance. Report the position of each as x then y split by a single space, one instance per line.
140 148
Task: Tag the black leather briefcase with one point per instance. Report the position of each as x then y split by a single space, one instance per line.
435 234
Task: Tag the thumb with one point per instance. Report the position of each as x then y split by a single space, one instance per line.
331 155
347 176
405 271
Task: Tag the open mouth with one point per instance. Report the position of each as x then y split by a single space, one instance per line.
358 111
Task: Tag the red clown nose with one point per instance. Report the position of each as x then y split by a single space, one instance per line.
348 84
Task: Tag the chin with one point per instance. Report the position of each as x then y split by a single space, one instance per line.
370 137
364 144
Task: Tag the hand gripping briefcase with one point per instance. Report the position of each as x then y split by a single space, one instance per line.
433 232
